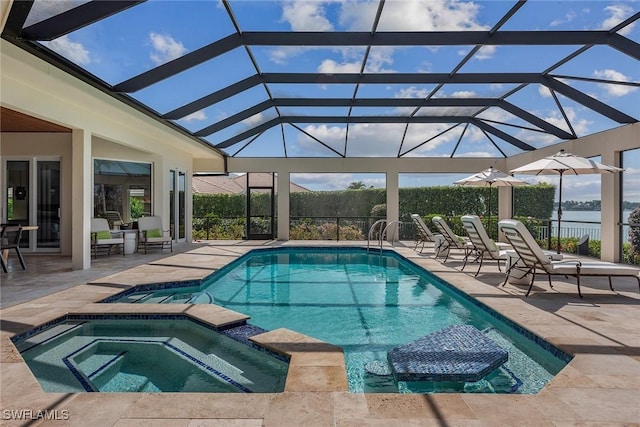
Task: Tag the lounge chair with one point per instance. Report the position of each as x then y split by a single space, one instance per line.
152 234
114 218
449 240
102 236
483 246
533 259
10 239
423 234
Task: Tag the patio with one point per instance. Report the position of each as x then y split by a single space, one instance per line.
600 385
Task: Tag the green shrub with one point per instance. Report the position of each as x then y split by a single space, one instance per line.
379 210
307 230
634 233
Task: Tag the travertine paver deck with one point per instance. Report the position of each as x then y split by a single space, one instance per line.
601 385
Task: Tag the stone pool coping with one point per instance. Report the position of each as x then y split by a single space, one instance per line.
600 385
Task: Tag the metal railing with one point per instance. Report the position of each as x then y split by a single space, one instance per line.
330 227
576 229
357 228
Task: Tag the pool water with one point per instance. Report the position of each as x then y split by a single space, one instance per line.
147 355
368 303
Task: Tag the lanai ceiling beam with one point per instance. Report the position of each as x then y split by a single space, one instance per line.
236 118
587 101
387 102
400 78
74 19
375 119
180 64
427 38
212 98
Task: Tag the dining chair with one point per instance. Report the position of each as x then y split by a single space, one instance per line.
10 239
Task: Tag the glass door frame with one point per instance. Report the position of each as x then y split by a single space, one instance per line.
177 219
271 190
32 197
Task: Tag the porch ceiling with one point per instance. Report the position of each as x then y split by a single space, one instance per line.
437 78
13 121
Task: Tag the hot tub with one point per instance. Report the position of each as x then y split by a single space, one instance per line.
149 353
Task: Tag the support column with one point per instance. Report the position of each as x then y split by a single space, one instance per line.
81 202
282 187
610 210
393 197
505 205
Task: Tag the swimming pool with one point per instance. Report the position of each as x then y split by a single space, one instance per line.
147 353
368 303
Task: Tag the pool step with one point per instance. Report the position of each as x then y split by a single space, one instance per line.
47 335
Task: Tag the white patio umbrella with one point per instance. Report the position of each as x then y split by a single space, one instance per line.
561 164
488 178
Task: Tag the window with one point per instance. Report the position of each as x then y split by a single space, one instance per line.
123 187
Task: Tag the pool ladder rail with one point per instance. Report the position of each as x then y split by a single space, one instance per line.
382 230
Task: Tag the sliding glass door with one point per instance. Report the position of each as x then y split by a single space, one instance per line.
31 196
177 205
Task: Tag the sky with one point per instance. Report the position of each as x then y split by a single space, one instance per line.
158 31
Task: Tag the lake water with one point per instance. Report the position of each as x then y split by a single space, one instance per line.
576 229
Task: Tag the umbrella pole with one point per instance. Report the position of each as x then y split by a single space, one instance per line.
489 211
559 212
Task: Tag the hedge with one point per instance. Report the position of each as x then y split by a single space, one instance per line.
534 201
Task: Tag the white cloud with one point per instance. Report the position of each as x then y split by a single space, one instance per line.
332 67
378 58
581 127
485 52
195 117
463 94
365 139
336 181
165 48
617 14
544 91
476 154
281 54
421 15
421 132
570 16
306 16
254 120
411 92
74 51
613 89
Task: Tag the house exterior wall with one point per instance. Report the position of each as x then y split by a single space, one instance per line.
29 145
116 131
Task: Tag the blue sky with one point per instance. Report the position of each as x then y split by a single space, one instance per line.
155 32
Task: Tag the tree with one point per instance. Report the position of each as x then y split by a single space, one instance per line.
634 231
356 185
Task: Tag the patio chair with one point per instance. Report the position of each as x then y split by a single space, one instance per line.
152 234
10 239
483 246
102 236
423 234
448 240
533 259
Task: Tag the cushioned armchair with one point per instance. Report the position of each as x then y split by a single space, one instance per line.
152 234
102 237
